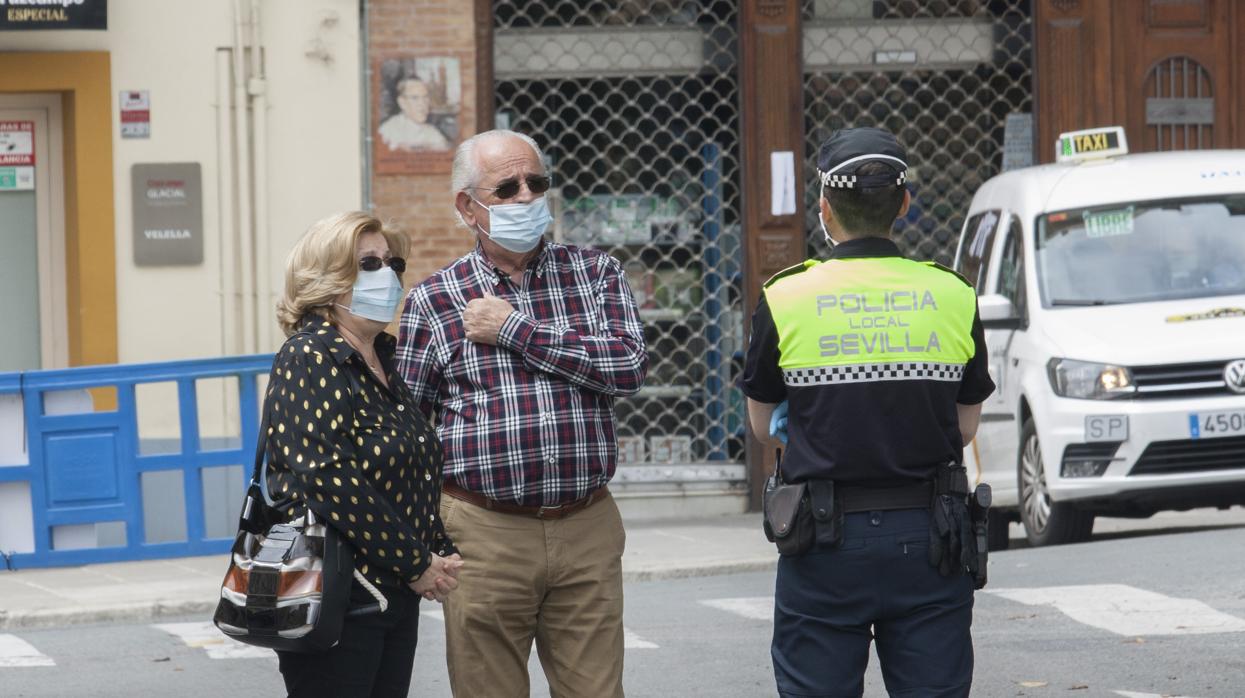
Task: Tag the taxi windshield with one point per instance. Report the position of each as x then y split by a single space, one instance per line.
1142 251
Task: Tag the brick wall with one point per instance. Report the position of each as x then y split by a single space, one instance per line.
421 205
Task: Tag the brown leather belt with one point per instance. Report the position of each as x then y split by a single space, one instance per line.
554 512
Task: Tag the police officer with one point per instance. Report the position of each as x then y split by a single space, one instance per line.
881 364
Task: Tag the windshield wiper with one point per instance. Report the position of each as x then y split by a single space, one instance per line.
1080 301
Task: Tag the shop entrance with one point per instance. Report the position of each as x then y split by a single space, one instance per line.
32 232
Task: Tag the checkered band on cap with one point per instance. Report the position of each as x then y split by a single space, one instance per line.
837 181
872 373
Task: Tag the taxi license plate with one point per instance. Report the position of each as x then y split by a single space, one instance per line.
1212 425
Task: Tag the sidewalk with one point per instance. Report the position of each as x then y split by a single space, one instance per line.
144 591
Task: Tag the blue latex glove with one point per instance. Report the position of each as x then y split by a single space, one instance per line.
778 422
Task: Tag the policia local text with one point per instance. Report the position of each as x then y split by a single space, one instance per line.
855 305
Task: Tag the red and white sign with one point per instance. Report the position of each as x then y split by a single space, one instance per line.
17 143
135 114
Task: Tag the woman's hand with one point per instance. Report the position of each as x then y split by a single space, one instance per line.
441 577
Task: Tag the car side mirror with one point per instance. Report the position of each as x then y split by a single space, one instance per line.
997 312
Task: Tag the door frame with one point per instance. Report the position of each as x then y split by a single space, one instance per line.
83 82
45 110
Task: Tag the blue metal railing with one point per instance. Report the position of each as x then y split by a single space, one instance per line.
86 468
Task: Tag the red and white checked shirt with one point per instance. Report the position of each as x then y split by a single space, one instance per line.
530 421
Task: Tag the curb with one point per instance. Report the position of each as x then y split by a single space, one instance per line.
119 613
160 610
712 569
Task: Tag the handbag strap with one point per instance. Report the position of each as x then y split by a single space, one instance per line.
262 441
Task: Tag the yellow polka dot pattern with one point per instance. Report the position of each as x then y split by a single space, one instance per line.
358 453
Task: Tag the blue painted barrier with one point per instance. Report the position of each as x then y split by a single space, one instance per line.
86 468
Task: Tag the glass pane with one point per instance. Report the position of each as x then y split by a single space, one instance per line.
19 282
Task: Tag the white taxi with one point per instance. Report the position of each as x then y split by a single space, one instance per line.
1112 290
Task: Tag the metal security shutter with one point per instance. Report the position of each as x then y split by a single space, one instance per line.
944 76
636 106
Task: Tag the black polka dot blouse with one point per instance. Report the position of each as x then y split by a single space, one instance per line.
360 454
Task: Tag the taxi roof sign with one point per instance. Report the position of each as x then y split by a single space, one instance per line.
1090 144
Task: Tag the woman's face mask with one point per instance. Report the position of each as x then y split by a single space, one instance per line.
517 227
376 295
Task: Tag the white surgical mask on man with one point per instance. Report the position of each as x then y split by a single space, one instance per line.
821 219
517 227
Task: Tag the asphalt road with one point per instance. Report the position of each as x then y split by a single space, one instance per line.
1152 608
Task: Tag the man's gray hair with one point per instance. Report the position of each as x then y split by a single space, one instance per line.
466 170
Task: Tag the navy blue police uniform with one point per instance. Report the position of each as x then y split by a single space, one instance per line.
872 352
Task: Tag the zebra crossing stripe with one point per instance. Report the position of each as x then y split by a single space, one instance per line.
16 652
1134 694
750 607
631 640
206 636
1128 611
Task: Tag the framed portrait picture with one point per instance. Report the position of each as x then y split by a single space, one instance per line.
417 112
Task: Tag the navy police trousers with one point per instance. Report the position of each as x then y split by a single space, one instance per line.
830 602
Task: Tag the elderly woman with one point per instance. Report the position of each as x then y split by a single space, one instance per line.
347 440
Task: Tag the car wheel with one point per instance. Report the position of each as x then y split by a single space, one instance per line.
997 524
1045 522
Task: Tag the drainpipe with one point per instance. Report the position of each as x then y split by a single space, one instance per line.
258 89
225 186
365 105
242 149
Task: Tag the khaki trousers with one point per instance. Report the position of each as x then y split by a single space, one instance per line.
557 581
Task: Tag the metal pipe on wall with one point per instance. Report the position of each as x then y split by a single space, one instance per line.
225 186
257 87
365 107
242 149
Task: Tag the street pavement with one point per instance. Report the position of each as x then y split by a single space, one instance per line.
1147 609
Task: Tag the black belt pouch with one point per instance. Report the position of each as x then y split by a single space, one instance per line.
788 516
827 513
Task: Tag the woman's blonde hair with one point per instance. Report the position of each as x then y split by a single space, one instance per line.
322 266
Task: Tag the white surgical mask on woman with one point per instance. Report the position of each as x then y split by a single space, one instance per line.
376 295
517 227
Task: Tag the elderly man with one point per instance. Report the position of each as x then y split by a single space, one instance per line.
519 349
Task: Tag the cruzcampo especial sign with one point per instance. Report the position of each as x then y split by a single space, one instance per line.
18 15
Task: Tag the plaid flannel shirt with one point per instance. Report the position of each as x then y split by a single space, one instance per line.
530 421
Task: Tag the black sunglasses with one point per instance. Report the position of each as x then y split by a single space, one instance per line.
374 263
537 184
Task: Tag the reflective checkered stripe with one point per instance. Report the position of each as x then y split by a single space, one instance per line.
836 181
873 373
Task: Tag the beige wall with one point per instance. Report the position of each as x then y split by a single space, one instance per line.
169 47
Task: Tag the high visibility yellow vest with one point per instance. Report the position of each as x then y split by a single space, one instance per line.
868 319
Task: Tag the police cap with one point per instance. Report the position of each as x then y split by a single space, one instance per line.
847 149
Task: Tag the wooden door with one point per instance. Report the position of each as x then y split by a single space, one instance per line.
1163 69
1173 73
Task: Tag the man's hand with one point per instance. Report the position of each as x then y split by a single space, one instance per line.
778 422
483 318
441 577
